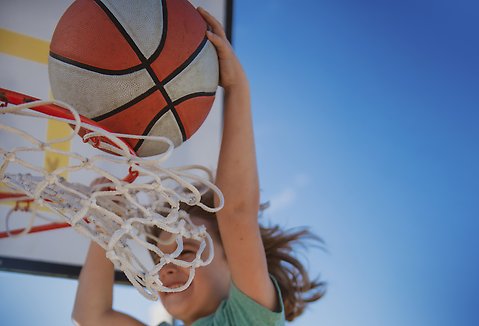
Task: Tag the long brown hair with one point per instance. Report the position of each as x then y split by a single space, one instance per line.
297 288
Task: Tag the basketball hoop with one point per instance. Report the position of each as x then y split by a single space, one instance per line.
118 212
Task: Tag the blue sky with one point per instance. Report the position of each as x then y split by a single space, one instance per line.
366 120
373 106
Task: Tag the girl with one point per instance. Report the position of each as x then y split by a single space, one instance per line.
253 279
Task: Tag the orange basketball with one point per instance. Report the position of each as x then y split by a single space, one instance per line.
136 67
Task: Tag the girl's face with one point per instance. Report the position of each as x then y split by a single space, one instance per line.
209 287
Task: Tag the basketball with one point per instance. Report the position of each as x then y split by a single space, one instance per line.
135 67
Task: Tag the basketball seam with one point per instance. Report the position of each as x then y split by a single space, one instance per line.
186 62
160 47
96 69
126 105
150 126
123 32
193 95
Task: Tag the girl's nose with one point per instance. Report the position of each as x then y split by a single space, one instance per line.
167 271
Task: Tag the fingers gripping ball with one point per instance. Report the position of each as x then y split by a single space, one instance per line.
136 67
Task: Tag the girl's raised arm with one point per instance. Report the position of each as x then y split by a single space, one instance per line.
94 298
237 177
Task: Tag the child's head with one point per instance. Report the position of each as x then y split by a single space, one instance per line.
211 283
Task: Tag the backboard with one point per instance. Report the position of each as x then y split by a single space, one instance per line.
25 30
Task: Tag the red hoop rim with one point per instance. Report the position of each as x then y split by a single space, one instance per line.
16 98
11 97
11 195
35 229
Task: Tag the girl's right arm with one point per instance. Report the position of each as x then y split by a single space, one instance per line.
94 298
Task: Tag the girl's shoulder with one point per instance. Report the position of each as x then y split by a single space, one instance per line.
239 310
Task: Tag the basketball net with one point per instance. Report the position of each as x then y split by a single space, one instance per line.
114 212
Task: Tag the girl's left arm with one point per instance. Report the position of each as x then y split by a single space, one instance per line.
237 177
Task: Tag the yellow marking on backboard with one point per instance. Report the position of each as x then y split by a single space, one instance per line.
24 46
54 160
57 130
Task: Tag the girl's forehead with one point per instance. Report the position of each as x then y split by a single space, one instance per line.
169 238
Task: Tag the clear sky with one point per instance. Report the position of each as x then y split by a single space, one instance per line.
367 123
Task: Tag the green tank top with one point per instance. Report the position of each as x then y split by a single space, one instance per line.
241 310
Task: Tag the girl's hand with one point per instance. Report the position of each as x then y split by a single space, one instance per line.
231 72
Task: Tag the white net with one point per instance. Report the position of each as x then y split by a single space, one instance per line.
117 213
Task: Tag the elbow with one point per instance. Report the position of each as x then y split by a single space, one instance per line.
78 318
80 321
75 319
78 312
87 316
81 318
